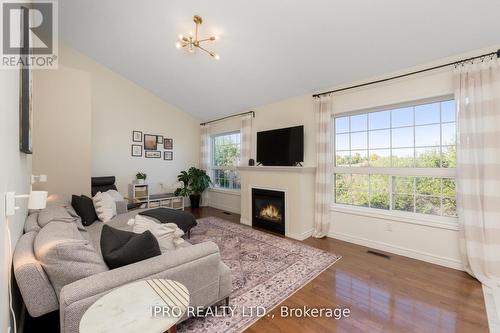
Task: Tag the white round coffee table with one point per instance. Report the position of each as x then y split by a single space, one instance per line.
143 306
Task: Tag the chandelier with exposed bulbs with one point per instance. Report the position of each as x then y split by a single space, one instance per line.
191 43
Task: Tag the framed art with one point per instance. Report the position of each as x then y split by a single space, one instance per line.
168 155
168 144
137 150
150 142
153 154
136 136
159 139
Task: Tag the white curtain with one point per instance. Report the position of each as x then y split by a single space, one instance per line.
478 169
323 189
246 139
205 148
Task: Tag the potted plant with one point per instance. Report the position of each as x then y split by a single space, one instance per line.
195 181
141 177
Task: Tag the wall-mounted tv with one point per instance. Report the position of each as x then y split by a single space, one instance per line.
284 146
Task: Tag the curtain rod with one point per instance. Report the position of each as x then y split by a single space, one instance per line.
497 53
231 116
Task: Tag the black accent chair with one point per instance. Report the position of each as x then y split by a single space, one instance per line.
103 184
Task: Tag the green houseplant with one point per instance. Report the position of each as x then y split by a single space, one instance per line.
141 177
195 181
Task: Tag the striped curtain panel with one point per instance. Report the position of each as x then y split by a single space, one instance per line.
246 139
323 189
205 148
478 169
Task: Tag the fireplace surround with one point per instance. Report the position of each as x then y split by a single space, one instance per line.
268 210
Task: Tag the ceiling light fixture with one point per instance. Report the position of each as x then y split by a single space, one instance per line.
191 42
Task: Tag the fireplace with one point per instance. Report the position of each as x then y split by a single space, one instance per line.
268 210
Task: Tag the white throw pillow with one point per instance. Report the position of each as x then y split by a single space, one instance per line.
115 195
105 206
169 236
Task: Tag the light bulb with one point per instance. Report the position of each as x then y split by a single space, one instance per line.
216 57
216 37
178 45
181 37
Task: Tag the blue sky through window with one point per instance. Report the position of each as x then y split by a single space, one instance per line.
420 124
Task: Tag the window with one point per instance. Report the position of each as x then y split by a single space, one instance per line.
399 159
225 158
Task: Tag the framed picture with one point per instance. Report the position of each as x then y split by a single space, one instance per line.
136 136
168 144
153 154
159 139
150 142
168 155
25 103
137 150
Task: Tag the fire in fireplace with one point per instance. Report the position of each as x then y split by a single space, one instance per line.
271 213
268 210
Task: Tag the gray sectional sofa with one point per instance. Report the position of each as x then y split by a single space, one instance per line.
198 267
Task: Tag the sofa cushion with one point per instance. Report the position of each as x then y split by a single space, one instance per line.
31 223
105 206
84 207
59 213
120 248
65 255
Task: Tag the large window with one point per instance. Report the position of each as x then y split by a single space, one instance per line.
400 159
225 158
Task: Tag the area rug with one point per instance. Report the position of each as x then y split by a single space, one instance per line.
265 269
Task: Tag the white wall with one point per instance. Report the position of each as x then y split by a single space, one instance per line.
62 134
117 107
15 170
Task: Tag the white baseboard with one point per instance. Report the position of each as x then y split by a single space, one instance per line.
224 207
300 236
411 253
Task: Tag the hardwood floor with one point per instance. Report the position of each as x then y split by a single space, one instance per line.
384 295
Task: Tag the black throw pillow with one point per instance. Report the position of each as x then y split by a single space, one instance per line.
84 207
120 248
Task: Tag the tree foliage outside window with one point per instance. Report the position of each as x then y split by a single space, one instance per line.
225 158
378 154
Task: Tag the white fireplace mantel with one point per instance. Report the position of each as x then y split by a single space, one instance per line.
298 185
298 169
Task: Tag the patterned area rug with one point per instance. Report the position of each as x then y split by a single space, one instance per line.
265 269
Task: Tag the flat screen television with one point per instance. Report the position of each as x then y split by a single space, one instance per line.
284 146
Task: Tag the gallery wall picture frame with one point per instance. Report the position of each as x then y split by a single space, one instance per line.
26 110
168 155
150 142
136 136
168 144
159 139
152 154
136 150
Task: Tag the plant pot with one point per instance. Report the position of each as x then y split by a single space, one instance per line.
195 200
140 181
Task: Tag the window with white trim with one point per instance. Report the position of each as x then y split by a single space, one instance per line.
225 159
398 159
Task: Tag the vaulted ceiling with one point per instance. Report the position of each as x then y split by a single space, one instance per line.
270 50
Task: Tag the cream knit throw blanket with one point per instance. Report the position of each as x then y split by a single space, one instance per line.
169 236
